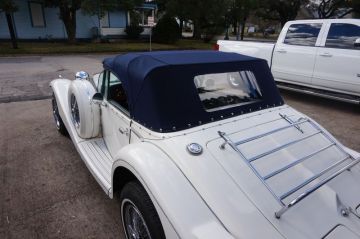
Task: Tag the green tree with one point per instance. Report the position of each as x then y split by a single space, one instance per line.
355 5
240 11
179 9
69 8
280 10
166 30
9 7
337 8
207 16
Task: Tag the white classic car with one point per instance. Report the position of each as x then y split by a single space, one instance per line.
319 57
199 144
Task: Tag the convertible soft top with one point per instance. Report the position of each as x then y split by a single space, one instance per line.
162 94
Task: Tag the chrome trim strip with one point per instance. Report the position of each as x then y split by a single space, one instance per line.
319 94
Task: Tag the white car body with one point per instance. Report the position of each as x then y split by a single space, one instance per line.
333 69
216 194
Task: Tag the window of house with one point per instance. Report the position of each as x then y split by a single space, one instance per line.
342 35
302 34
225 90
37 14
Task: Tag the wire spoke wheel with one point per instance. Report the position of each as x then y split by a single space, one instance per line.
134 222
75 115
55 112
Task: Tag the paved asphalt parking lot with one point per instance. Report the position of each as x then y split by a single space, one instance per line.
46 190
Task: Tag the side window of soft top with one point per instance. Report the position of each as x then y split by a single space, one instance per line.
116 93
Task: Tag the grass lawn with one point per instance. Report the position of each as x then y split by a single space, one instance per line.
122 46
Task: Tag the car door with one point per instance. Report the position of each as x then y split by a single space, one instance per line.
115 114
294 56
337 64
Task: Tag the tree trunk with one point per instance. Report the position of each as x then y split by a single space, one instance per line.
235 26
11 30
197 31
243 28
69 18
181 26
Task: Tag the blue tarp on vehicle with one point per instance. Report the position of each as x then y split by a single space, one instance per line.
162 94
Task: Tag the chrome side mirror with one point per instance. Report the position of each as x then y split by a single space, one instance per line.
97 99
82 75
357 43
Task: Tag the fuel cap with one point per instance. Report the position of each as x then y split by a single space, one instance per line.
194 148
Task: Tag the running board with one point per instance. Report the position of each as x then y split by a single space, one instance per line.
98 160
320 93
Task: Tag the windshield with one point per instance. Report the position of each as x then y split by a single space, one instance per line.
225 90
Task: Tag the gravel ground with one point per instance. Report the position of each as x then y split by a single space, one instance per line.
46 189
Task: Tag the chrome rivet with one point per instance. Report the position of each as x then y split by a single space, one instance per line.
344 212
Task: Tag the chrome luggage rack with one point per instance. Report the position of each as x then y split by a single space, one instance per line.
307 192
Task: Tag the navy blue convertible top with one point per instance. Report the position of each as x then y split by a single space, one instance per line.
162 94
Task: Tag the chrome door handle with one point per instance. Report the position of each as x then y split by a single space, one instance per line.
124 131
281 51
358 74
326 54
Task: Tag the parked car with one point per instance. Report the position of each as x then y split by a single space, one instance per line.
269 31
319 57
199 144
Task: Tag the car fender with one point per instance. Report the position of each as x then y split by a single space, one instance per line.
175 199
60 87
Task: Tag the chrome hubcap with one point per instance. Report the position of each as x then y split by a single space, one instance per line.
75 115
134 224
